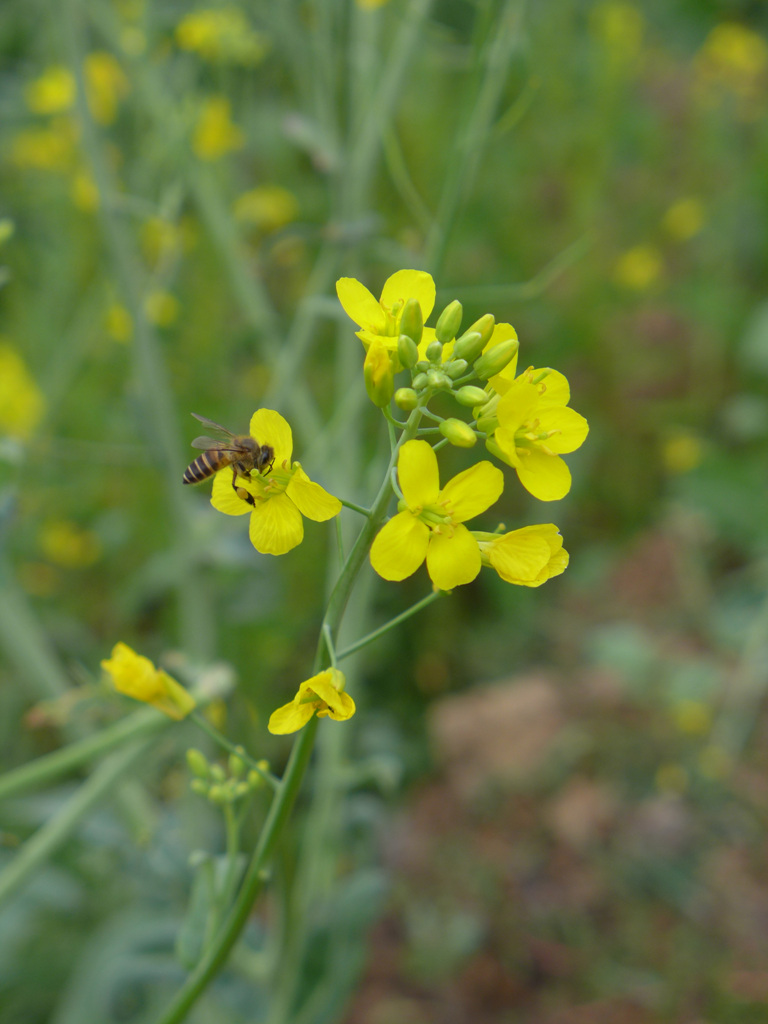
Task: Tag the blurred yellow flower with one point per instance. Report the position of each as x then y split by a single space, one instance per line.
53 92
684 219
118 323
21 402
619 26
322 695
222 34
370 5
638 268
85 194
215 133
136 676
734 59
106 84
681 452
161 308
7 229
68 545
267 207
692 717
715 762
164 240
52 148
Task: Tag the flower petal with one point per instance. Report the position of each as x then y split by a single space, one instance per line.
400 547
269 427
517 404
546 477
290 717
557 390
329 687
473 491
418 474
501 382
360 305
571 428
223 497
312 500
518 556
342 709
276 525
453 559
409 284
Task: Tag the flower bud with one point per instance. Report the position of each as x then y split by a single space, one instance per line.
470 396
469 346
437 379
218 794
197 762
378 374
434 351
455 368
241 789
254 779
487 424
412 321
406 399
495 359
449 322
408 351
484 326
458 433
419 382
217 773
236 766
199 786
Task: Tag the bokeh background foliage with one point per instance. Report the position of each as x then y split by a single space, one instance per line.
582 841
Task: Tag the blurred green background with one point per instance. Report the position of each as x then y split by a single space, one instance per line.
555 804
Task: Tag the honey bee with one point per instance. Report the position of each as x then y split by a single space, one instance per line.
240 451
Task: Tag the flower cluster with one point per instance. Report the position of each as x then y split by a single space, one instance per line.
523 418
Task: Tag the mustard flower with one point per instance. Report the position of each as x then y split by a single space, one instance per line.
215 133
105 84
52 92
221 35
379 319
534 428
526 557
430 524
278 498
322 695
22 404
136 676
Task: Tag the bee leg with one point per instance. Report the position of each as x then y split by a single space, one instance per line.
241 491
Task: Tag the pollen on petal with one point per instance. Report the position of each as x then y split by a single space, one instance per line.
312 500
399 547
276 525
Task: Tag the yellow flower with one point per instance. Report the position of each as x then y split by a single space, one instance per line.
379 319
527 557
69 545
370 5
221 34
534 428
53 92
267 207
279 497
733 59
84 191
136 676
46 149
105 84
119 323
21 402
323 695
682 451
684 219
378 373
620 27
638 268
161 308
431 521
215 133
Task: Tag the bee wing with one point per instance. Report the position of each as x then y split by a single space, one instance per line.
211 444
214 426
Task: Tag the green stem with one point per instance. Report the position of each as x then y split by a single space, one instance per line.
40 846
215 956
355 508
364 641
202 723
45 769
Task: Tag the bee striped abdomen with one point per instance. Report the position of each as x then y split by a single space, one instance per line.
205 465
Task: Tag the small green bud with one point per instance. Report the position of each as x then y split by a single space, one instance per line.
470 396
217 773
419 382
218 794
236 766
406 399
455 368
458 433
412 321
487 424
241 789
422 366
437 379
198 763
408 351
254 780
495 359
434 351
449 322
469 346
199 786
484 326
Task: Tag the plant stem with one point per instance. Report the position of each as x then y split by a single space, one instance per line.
202 723
364 641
